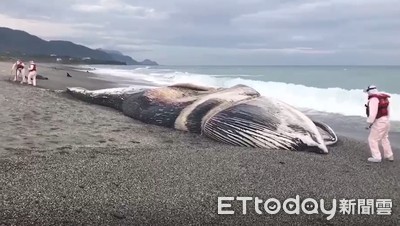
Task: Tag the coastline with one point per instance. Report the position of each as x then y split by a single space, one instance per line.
68 162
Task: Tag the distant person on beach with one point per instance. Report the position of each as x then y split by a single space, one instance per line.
19 69
377 110
32 74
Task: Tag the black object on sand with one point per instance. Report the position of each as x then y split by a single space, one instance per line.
68 75
41 77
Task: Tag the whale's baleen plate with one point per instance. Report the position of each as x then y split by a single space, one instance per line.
238 115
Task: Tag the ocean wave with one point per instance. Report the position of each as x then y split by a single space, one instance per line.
330 100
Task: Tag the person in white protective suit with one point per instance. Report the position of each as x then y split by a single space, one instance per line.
18 70
32 74
377 110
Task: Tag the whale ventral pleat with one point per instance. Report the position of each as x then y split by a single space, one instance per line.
194 119
253 114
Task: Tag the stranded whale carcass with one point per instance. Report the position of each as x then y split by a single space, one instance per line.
238 115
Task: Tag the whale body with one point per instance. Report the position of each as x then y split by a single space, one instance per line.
238 115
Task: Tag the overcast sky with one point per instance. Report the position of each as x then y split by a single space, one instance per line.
230 32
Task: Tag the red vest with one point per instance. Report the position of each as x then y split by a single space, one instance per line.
20 66
34 67
382 106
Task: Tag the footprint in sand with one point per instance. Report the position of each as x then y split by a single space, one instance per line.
63 152
11 139
46 118
168 141
53 141
66 147
35 113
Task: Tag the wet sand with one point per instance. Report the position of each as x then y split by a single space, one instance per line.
65 162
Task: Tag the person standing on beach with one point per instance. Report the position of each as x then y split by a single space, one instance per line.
32 74
377 110
19 69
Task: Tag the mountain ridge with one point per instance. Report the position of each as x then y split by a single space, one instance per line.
18 42
117 55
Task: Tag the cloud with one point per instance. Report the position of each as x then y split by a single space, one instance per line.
224 31
305 38
115 6
296 50
45 29
89 8
133 48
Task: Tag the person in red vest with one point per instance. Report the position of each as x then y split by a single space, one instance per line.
19 69
377 110
32 74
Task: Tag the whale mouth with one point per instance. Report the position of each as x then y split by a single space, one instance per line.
328 135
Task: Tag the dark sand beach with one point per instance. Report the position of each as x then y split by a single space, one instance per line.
66 162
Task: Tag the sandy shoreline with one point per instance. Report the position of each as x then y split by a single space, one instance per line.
66 162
